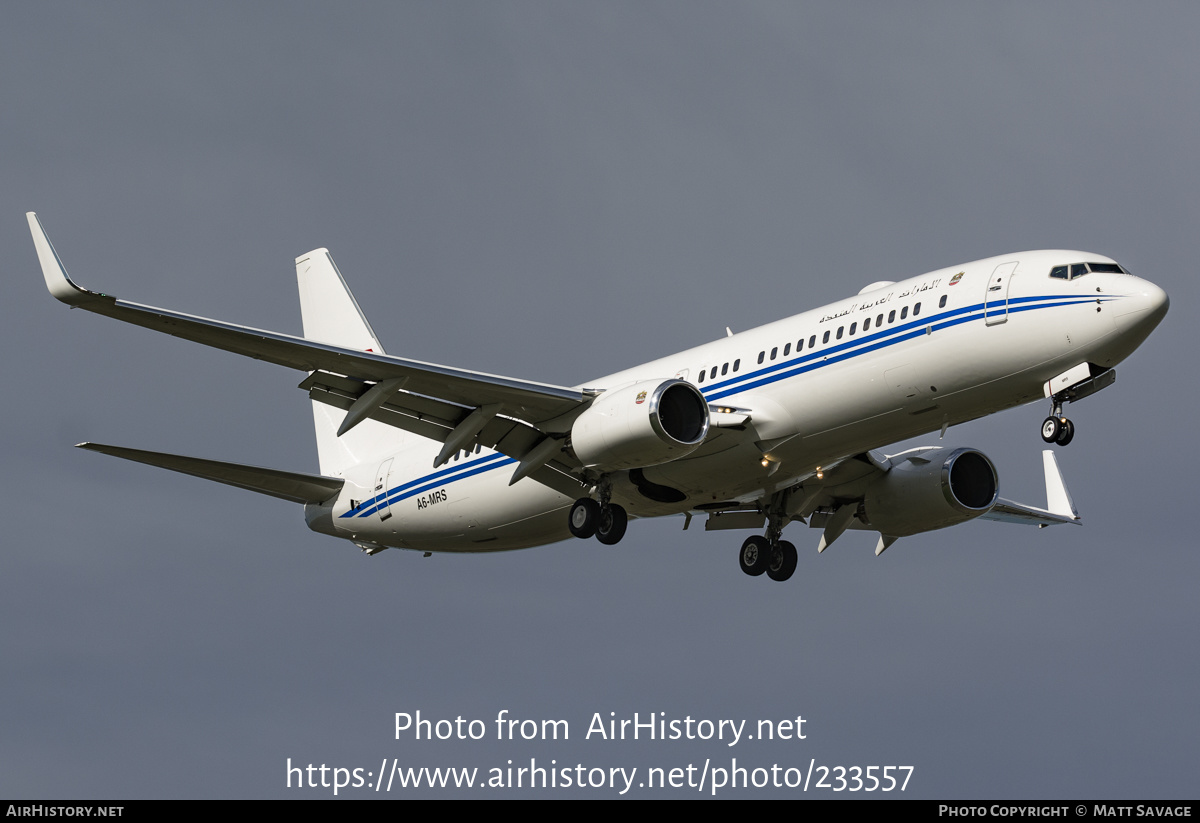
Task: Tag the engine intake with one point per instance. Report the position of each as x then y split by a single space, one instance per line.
643 424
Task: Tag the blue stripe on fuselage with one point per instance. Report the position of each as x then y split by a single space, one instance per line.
874 342
436 478
815 359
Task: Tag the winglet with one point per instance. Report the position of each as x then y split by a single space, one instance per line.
57 281
1059 506
1058 499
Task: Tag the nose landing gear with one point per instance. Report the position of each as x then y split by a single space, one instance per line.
1056 428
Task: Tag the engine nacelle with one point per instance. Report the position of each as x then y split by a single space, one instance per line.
922 494
640 425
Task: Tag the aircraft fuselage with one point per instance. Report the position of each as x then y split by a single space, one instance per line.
896 361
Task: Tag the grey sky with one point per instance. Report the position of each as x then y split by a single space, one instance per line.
557 191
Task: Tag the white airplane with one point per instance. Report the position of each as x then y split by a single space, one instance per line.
755 430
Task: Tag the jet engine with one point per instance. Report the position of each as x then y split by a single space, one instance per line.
643 424
930 492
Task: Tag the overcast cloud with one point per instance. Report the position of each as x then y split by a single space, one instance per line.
555 191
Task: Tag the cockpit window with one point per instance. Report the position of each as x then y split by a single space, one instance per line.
1080 269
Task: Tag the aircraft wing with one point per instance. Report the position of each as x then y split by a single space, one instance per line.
832 500
530 401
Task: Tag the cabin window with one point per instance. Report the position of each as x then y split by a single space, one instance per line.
724 369
916 309
892 316
879 320
825 338
712 374
904 312
787 349
799 345
737 364
761 355
840 330
942 302
702 373
853 327
812 341
774 352
866 324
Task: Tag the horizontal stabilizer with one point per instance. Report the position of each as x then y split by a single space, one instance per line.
293 486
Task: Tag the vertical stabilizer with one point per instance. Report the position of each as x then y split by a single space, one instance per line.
332 315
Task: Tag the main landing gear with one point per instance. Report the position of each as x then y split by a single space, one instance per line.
760 555
1056 428
607 521
770 554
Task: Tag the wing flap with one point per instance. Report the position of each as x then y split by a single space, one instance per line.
435 420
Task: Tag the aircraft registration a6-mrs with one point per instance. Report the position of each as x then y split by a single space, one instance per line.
755 430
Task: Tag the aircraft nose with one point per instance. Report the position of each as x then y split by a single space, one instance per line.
1141 307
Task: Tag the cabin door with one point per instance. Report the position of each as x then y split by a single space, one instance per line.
995 299
381 487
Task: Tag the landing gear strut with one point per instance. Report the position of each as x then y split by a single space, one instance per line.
1056 428
606 520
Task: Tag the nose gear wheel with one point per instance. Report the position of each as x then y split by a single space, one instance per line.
1056 428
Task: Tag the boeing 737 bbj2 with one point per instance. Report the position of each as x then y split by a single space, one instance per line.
755 430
